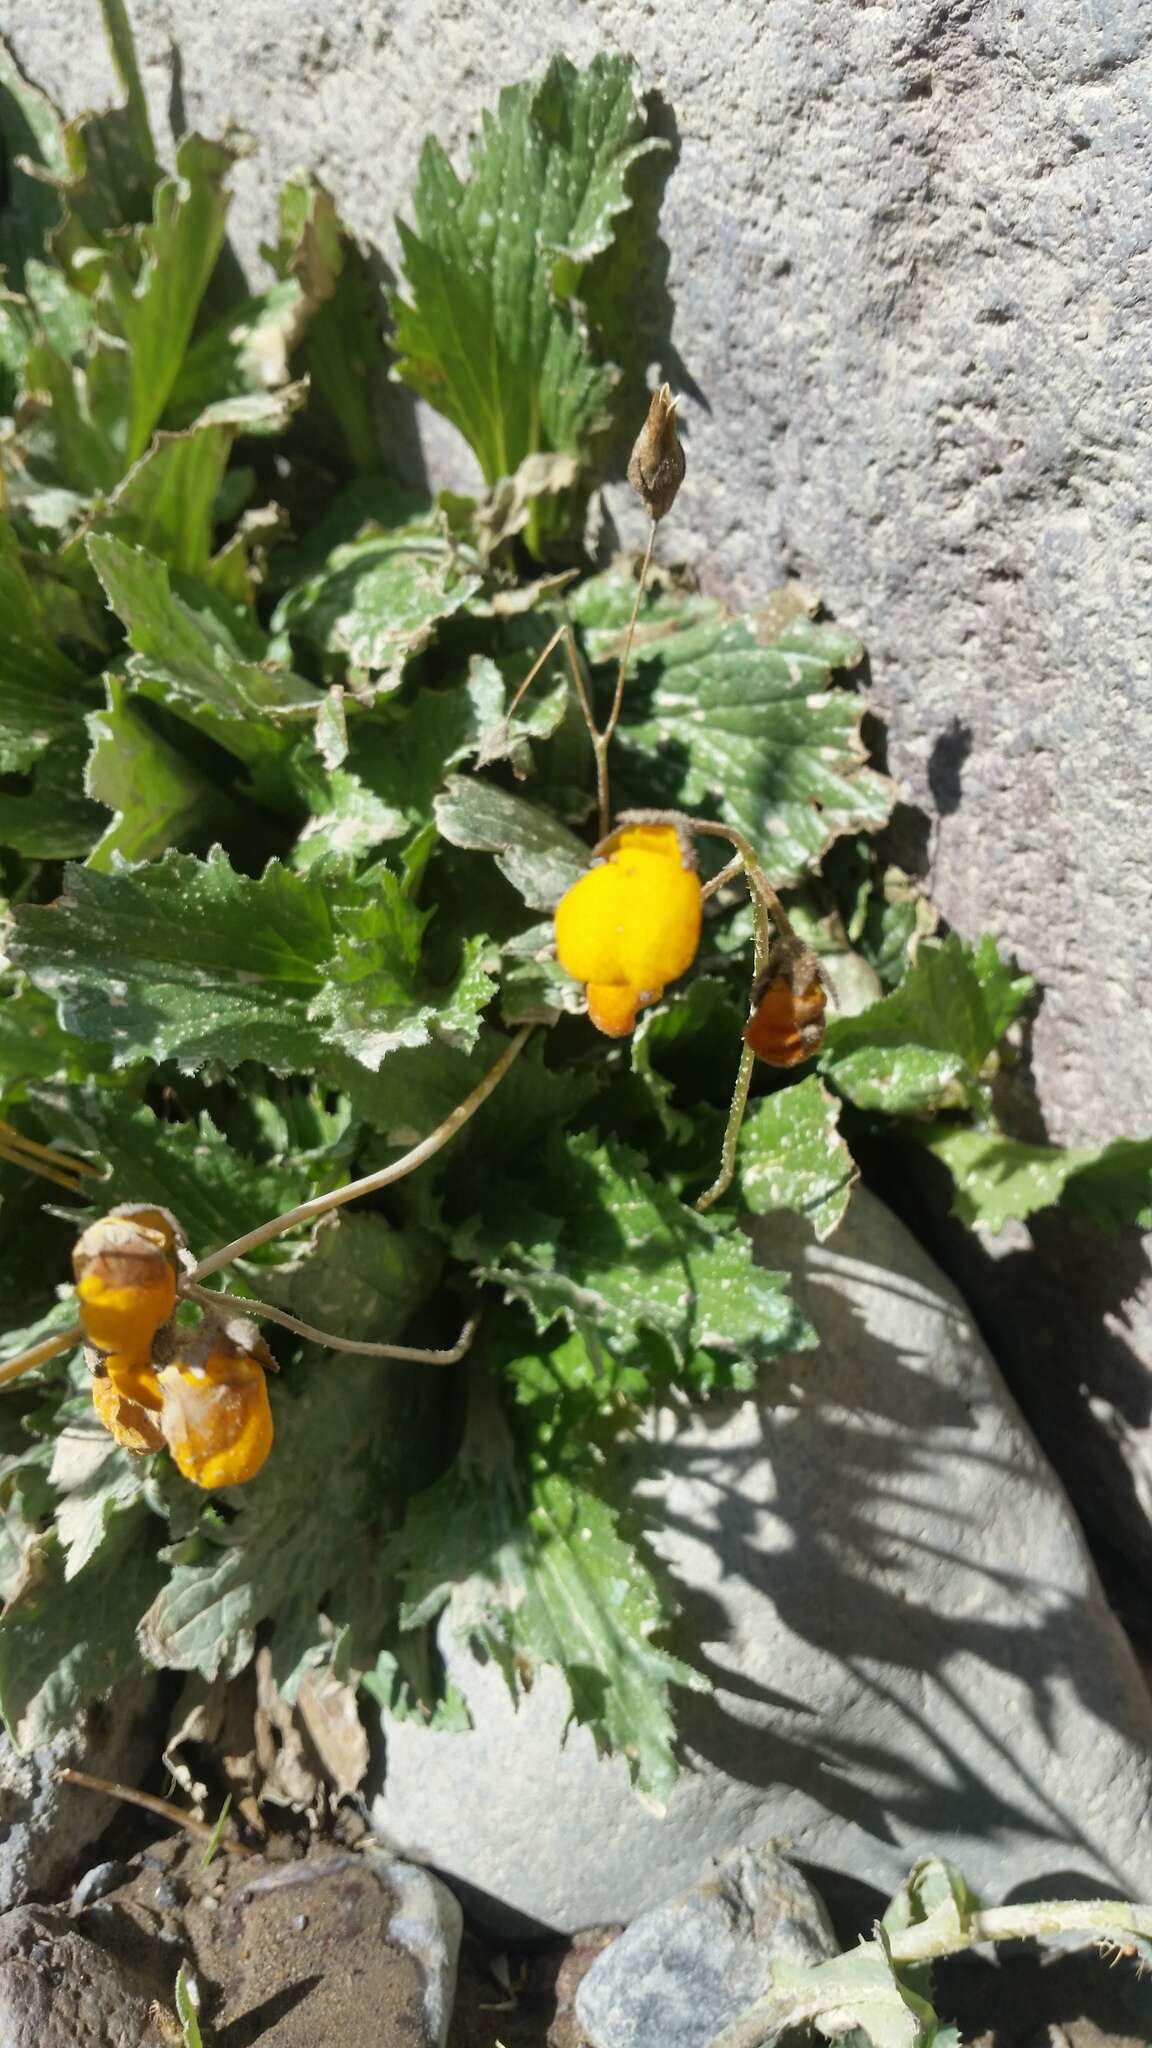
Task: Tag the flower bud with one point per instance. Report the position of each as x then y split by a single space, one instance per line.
656 466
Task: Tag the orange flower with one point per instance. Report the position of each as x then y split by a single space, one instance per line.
630 925
125 1283
132 1425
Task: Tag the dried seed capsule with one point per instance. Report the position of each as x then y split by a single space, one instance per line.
656 466
216 1416
787 1021
126 1283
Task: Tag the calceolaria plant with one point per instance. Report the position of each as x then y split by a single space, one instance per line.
439 944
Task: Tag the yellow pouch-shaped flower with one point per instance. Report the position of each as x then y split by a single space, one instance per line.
630 926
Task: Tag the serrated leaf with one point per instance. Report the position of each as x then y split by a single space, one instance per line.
356 1274
793 1157
998 1180
95 1481
695 1031
158 796
189 960
601 1243
550 1580
750 732
539 855
52 819
154 307
215 1190
492 332
342 314
378 600
306 1534
167 501
43 695
192 661
923 1047
64 1643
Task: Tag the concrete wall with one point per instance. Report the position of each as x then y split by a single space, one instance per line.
911 254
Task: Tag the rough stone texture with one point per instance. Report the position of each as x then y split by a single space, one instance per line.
44 1825
908 1641
686 1969
911 257
58 1989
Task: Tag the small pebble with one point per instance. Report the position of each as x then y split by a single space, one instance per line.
300 1922
102 1878
169 1894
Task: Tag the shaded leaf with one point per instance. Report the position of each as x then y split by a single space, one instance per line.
158 795
65 1642
998 1179
539 855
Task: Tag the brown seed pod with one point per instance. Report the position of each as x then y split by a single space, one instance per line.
787 1021
656 466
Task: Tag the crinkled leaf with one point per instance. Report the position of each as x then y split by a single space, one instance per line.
860 1989
42 694
167 501
717 720
598 1241
377 600
95 1481
998 1179
52 819
504 256
305 1535
550 1580
793 1157
189 960
342 313
694 1033
191 660
923 1047
158 796
539 855
65 1642
355 1275
216 1191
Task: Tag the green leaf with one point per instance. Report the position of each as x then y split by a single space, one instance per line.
793 1157
305 1536
378 600
95 1481
165 503
42 693
189 960
493 333
52 819
155 307
539 855
216 1191
694 1033
186 2012
356 1275
244 354
65 1642
158 795
998 1180
924 1046
31 135
341 314
598 1241
548 1579
745 731
192 661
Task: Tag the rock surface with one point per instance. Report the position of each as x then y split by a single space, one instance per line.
910 1648
44 1825
686 1969
59 1989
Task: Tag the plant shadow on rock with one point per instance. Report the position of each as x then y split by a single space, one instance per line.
867 1451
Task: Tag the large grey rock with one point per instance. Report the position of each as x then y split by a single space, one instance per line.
59 1989
44 1825
910 1648
686 1969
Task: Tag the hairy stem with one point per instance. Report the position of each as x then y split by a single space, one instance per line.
737 1107
320 1205
242 1304
601 741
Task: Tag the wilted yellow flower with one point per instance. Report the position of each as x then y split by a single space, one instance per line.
216 1417
125 1284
